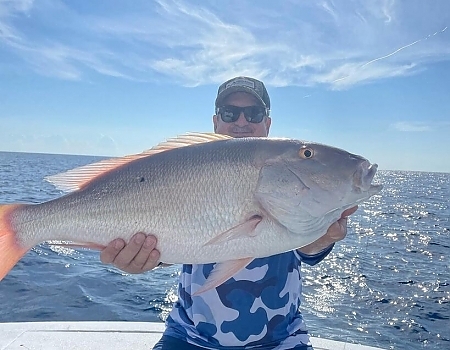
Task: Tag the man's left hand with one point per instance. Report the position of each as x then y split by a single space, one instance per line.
335 233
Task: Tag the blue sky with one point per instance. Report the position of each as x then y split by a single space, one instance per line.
116 77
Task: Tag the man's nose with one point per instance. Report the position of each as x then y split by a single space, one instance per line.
241 121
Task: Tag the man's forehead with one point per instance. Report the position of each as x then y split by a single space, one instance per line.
242 97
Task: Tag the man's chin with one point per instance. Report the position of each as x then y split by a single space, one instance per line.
241 134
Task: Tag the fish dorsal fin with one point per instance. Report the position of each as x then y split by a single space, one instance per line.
76 179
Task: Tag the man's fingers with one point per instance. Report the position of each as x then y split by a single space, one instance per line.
138 256
349 212
145 259
128 253
337 230
152 261
108 254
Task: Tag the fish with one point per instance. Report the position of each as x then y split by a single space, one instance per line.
208 198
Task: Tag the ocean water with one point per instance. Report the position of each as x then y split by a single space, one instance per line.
387 284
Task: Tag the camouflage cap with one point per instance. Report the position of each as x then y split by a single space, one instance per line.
243 84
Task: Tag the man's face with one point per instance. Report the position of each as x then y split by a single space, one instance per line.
241 127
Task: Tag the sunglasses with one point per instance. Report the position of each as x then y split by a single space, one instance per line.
252 114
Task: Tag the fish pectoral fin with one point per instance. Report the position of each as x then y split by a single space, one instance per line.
246 229
85 245
222 272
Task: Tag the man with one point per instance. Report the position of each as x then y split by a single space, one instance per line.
259 306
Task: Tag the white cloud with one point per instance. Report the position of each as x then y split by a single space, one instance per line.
412 126
334 43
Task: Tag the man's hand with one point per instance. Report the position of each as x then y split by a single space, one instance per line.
138 256
336 232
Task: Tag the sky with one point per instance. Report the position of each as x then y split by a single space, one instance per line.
117 77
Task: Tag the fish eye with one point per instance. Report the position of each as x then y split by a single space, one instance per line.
306 152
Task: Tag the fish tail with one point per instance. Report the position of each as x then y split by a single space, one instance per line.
10 249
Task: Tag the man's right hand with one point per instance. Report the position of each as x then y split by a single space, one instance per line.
138 256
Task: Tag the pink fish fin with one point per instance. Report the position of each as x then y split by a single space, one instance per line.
85 245
246 229
77 178
188 139
222 272
10 249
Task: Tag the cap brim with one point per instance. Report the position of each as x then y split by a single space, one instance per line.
231 90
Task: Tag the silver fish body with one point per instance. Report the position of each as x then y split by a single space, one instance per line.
188 196
209 202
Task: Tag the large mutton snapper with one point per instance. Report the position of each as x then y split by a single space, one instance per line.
208 198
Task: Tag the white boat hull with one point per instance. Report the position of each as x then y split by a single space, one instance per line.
105 336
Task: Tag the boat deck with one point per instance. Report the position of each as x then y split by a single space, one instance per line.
105 336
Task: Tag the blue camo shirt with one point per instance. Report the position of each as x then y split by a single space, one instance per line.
258 308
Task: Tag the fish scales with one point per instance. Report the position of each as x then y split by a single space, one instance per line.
207 198
184 197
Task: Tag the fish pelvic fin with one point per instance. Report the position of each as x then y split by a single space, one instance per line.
222 272
10 250
78 178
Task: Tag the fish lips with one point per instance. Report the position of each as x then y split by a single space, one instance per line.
363 177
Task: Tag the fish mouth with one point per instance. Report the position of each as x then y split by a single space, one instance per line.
363 177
